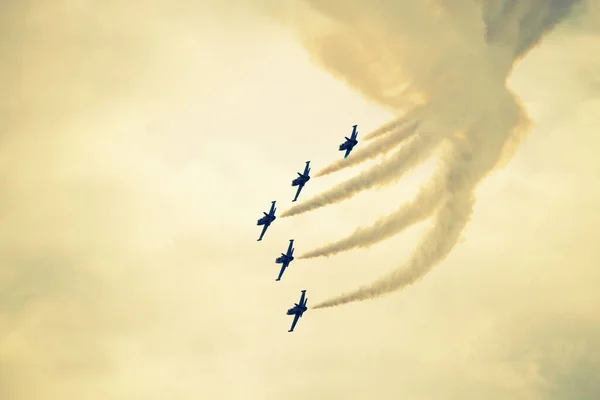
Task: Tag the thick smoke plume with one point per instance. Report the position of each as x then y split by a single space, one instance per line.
470 163
448 63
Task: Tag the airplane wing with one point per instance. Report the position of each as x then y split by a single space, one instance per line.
348 150
302 297
307 168
272 210
354 132
264 229
300 186
294 322
281 271
289 250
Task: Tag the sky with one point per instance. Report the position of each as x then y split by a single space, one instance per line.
141 141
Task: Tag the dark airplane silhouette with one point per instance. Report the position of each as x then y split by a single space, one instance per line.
298 309
285 259
350 142
266 220
301 180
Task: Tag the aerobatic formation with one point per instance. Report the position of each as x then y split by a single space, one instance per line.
267 219
450 91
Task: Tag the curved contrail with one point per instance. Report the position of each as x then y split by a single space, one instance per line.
451 61
437 243
471 162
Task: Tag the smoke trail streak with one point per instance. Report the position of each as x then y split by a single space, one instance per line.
387 172
376 148
436 245
449 61
410 117
421 207
451 219
385 128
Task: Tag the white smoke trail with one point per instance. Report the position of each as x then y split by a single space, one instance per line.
452 219
413 116
395 132
378 147
438 242
384 129
427 200
387 172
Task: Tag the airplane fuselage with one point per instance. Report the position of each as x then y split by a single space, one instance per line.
284 259
348 144
266 220
296 310
300 180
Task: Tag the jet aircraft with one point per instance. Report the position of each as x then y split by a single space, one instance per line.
350 142
301 180
285 259
267 220
298 309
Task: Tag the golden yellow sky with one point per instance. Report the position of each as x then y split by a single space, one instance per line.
141 141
